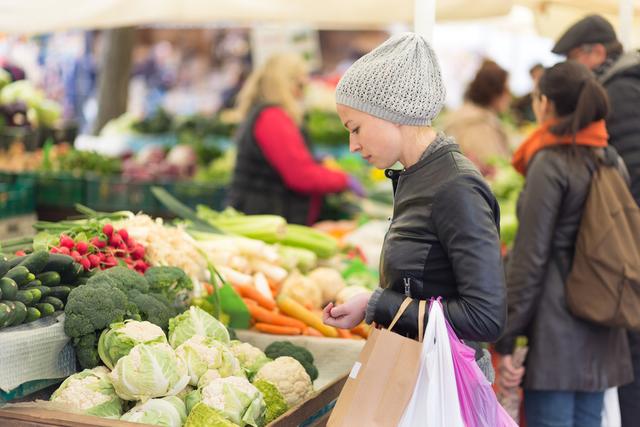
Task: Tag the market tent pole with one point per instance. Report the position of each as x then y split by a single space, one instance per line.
625 16
113 83
424 18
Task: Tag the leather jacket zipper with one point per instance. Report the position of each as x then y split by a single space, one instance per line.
407 286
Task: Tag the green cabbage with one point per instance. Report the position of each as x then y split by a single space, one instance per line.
236 399
204 416
200 354
117 341
90 392
194 322
167 412
149 371
276 405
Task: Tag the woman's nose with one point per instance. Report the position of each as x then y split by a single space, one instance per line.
354 147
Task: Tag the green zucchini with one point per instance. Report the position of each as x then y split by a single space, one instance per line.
12 313
32 314
5 313
50 278
36 293
45 309
55 302
9 288
32 284
20 313
72 273
20 274
61 292
36 261
58 262
25 297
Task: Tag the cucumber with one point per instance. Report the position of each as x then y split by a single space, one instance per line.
71 274
21 313
5 265
58 262
60 292
55 302
36 293
5 313
32 284
36 261
9 288
45 309
12 313
20 274
8 264
32 314
25 297
50 278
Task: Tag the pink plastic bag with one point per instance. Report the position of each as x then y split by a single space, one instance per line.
478 402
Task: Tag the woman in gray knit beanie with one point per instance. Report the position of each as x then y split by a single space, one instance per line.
443 238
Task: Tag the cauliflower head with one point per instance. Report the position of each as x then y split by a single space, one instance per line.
289 377
329 281
302 289
200 354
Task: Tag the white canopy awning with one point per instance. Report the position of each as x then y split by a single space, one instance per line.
38 16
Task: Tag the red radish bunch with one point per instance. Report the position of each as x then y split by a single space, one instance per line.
112 248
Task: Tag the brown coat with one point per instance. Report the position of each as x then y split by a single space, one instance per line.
478 132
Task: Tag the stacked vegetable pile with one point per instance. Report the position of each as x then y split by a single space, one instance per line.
36 285
194 376
22 105
283 287
117 294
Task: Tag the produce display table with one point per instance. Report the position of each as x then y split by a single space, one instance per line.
333 358
313 412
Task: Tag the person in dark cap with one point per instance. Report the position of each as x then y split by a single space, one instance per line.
593 42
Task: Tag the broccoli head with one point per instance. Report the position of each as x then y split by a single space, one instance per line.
92 308
123 278
169 281
301 354
86 351
153 308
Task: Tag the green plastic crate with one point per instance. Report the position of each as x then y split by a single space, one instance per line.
116 194
17 195
195 193
59 190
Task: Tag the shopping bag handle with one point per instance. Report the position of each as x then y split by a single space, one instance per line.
422 309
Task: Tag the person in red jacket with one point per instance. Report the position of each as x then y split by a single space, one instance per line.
275 171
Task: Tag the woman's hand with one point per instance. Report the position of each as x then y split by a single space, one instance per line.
347 315
509 376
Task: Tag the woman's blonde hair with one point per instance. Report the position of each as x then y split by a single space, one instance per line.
274 83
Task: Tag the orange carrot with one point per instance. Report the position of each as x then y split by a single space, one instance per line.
208 288
250 292
344 333
312 332
361 330
265 316
249 302
277 330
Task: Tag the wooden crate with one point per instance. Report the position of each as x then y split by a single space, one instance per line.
312 413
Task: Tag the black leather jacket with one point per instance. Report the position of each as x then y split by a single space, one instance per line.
443 241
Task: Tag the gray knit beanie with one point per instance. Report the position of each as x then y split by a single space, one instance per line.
399 81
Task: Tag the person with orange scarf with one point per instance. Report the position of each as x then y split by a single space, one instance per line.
570 362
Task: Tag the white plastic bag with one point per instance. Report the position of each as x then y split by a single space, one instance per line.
611 409
434 402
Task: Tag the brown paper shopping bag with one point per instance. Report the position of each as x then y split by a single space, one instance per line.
381 382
